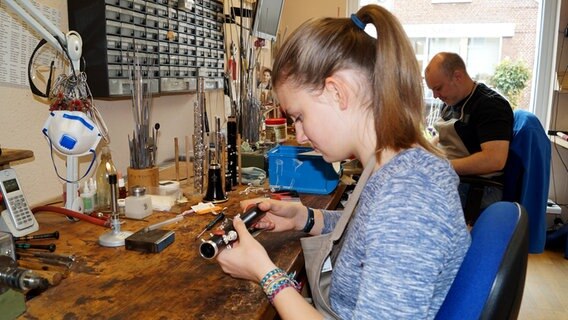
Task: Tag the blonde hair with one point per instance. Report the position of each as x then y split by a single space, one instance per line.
321 47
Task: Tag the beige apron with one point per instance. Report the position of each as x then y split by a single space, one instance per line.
448 138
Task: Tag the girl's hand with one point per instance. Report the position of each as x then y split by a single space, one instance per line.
282 215
247 259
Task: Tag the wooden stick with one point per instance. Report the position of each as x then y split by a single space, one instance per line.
238 148
53 277
38 265
176 155
187 159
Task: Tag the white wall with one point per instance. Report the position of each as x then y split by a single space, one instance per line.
22 118
298 11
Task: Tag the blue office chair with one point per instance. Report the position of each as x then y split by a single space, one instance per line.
491 279
525 179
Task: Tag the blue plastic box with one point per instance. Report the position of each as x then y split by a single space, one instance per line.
289 169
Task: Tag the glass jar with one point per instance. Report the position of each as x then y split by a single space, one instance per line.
275 130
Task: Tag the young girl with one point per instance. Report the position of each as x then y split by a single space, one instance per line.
353 94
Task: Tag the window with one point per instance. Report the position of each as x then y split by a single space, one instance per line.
483 54
483 33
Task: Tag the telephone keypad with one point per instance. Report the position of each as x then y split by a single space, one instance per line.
22 214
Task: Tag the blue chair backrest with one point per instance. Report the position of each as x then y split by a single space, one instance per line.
527 174
491 279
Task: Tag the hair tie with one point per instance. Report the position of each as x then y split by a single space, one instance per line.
357 21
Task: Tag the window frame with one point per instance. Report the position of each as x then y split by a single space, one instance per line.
544 72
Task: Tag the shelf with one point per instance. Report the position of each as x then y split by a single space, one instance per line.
562 82
559 141
11 155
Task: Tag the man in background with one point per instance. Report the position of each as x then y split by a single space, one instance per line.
475 125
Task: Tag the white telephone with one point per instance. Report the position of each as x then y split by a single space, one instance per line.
17 219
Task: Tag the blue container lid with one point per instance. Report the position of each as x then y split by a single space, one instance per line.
289 168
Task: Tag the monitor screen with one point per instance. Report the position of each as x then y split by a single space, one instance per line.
267 18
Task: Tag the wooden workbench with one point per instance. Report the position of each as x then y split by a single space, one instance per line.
114 283
11 155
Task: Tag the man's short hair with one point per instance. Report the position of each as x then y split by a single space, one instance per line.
451 62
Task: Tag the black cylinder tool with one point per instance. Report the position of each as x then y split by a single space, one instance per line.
210 249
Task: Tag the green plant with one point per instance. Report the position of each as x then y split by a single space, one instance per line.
510 78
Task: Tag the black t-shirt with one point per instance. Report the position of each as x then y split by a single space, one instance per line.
487 117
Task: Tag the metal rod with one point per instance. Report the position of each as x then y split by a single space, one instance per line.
176 155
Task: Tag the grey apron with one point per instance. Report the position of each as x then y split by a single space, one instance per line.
449 140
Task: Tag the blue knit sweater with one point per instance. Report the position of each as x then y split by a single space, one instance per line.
404 243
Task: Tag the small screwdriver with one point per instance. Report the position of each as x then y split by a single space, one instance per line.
54 235
211 224
50 247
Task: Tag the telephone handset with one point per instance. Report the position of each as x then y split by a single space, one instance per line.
17 219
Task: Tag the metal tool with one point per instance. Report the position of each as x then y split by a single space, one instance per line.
211 224
198 137
176 157
155 141
53 235
51 247
141 146
175 219
26 260
18 278
48 255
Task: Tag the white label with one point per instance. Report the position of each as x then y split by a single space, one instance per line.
327 265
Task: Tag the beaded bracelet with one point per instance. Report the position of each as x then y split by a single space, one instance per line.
280 285
272 281
276 280
271 276
275 285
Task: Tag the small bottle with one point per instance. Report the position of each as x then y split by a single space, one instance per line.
88 197
138 204
122 193
103 187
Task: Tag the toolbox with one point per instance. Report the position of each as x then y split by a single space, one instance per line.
300 169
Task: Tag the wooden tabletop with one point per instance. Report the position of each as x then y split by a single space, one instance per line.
177 283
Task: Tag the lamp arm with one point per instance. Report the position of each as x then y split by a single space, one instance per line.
72 40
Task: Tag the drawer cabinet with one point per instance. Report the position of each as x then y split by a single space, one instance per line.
172 46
